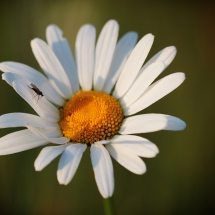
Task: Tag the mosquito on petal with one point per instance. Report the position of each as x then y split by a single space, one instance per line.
36 90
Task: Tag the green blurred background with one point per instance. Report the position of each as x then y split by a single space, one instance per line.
180 180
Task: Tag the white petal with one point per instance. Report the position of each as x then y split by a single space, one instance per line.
61 48
104 52
166 55
35 77
103 142
103 169
51 67
142 83
174 124
123 49
128 160
11 77
52 135
149 123
22 119
135 145
69 162
155 92
133 65
47 155
42 106
20 141
85 54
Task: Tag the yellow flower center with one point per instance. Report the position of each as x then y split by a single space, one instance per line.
90 116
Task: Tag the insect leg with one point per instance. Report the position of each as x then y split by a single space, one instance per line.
34 97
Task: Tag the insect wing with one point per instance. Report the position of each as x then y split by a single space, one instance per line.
35 87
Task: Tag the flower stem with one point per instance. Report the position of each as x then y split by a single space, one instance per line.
108 206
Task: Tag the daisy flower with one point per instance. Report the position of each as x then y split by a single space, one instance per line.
90 102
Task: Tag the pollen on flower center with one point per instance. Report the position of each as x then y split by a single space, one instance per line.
90 116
